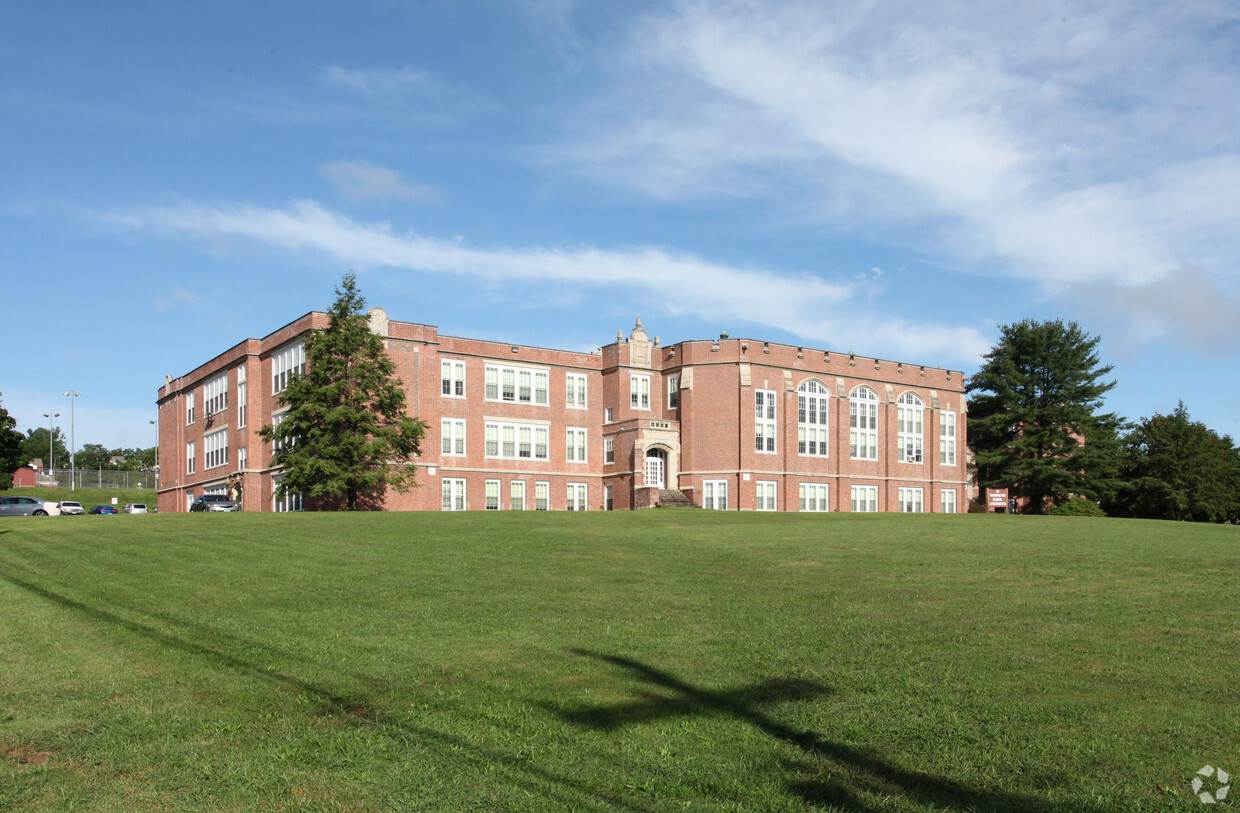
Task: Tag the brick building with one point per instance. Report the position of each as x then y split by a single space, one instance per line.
733 424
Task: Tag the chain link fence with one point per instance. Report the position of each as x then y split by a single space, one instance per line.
98 478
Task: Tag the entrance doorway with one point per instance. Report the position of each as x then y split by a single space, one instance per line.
656 469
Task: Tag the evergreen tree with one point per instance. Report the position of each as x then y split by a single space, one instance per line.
10 449
345 434
1177 468
1034 420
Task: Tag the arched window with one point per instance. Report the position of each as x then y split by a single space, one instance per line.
909 428
863 424
812 419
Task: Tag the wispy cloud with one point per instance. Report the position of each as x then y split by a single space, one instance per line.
362 180
803 304
380 83
1061 143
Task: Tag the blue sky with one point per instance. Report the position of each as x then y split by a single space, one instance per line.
894 179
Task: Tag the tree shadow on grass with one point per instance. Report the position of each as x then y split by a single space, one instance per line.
871 774
358 708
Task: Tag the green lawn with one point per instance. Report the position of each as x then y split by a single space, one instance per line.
647 661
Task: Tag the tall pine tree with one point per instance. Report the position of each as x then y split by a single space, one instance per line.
345 434
1034 415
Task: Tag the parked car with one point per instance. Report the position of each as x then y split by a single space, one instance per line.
70 507
103 509
214 502
134 508
17 506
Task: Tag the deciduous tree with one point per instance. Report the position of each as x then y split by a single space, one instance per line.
10 449
35 446
1035 419
346 434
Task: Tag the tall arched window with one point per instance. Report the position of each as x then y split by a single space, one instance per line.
909 428
812 419
863 424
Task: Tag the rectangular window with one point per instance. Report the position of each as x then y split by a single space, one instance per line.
452 378
609 450
673 391
814 497
215 395
453 494
766 495
911 500
517 495
609 502
575 385
863 425
715 494
215 449
947 438
607 415
280 442
515 385
189 409
909 428
452 433
516 441
293 501
542 495
242 459
865 499
764 420
240 397
289 362
576 446
578 497
639 391
190 463
492 494
948 496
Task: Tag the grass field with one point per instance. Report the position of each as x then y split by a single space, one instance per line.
647 661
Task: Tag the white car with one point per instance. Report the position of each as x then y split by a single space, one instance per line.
70 507
135 508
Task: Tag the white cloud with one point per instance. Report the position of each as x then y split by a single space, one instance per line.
362 180
801 303
379 83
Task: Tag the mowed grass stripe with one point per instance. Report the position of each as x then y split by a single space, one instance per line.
656 660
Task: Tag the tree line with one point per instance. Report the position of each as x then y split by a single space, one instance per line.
17 450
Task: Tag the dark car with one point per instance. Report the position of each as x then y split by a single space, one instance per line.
103 509
214 502
22 507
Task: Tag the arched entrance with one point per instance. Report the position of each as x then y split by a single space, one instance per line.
656 468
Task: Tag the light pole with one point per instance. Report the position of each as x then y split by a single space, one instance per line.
73 396
51 435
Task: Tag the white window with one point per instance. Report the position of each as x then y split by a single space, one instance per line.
715 494
285 364
607 415
517 495
280 442
293 501
673 391
452 433
516 441
609 502
453 493
909 428
863 424
452 378
190 463
542 495
575 447
578 497
215 395
576 390
215 449
609 450
814 497
516 385
243 459
240 397
639 391
766 495
189 409
492 494
911 500
764 420
812 419
948 496
865 499
947 438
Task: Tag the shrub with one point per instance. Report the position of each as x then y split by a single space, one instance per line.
1077 507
